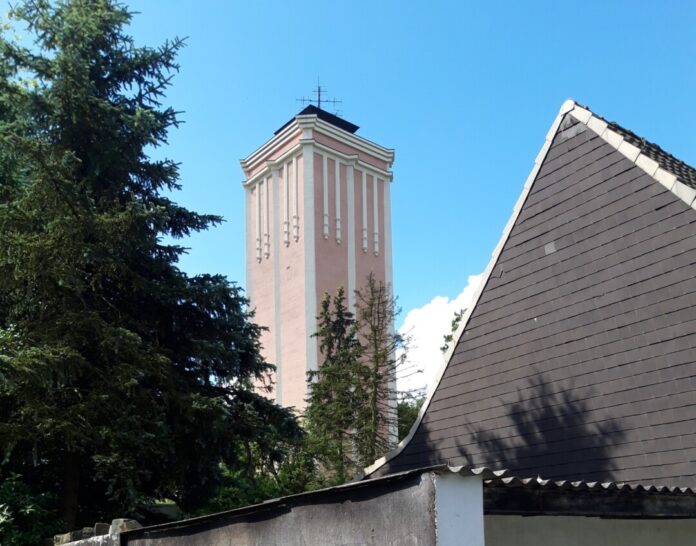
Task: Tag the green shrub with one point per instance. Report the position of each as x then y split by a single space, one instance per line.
25 517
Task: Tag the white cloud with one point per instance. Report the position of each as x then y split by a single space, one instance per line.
426 327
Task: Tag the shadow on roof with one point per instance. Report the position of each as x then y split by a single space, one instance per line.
549 434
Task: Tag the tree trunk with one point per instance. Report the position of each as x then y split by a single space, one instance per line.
71 485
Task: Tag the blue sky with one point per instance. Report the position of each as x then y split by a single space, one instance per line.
464 92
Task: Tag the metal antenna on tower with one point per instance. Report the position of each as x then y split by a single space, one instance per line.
319 100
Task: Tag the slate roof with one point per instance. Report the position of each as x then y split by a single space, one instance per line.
577 359
685 172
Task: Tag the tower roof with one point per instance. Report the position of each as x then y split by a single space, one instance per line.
302 129
323 115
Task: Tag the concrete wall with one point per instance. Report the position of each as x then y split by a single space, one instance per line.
459 510
579 531
411 509
401 517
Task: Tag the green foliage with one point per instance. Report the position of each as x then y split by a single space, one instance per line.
335 390
376 312
122 379
351 408
25 518
407 410
262 479
454 326
281 465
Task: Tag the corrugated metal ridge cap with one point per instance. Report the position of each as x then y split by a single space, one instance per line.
504 478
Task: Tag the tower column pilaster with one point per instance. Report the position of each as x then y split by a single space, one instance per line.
317 218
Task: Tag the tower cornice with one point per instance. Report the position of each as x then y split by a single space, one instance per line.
306 127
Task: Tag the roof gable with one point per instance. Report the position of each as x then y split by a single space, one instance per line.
576 358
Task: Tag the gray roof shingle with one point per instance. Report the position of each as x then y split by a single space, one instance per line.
579 363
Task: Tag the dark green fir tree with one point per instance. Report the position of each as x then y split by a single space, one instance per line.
335 391
381 352
122 379
351 414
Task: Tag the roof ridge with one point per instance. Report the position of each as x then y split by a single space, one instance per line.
615 125
674 174
633 134
649 144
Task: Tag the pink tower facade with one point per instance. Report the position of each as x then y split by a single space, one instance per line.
317 217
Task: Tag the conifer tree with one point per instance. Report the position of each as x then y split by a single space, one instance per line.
121 378
335 390
352 411
376 418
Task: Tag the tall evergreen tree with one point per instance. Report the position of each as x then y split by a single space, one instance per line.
351 412
335 390
376 417
121 378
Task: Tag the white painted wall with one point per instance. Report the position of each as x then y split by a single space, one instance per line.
581 531
459 510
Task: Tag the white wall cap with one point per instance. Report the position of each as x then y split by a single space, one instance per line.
612 138
542 153
597 125
553 130
684 192
666 178
532 176
647 164
567 106
581 114
629 150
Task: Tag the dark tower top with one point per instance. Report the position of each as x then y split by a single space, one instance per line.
325 116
